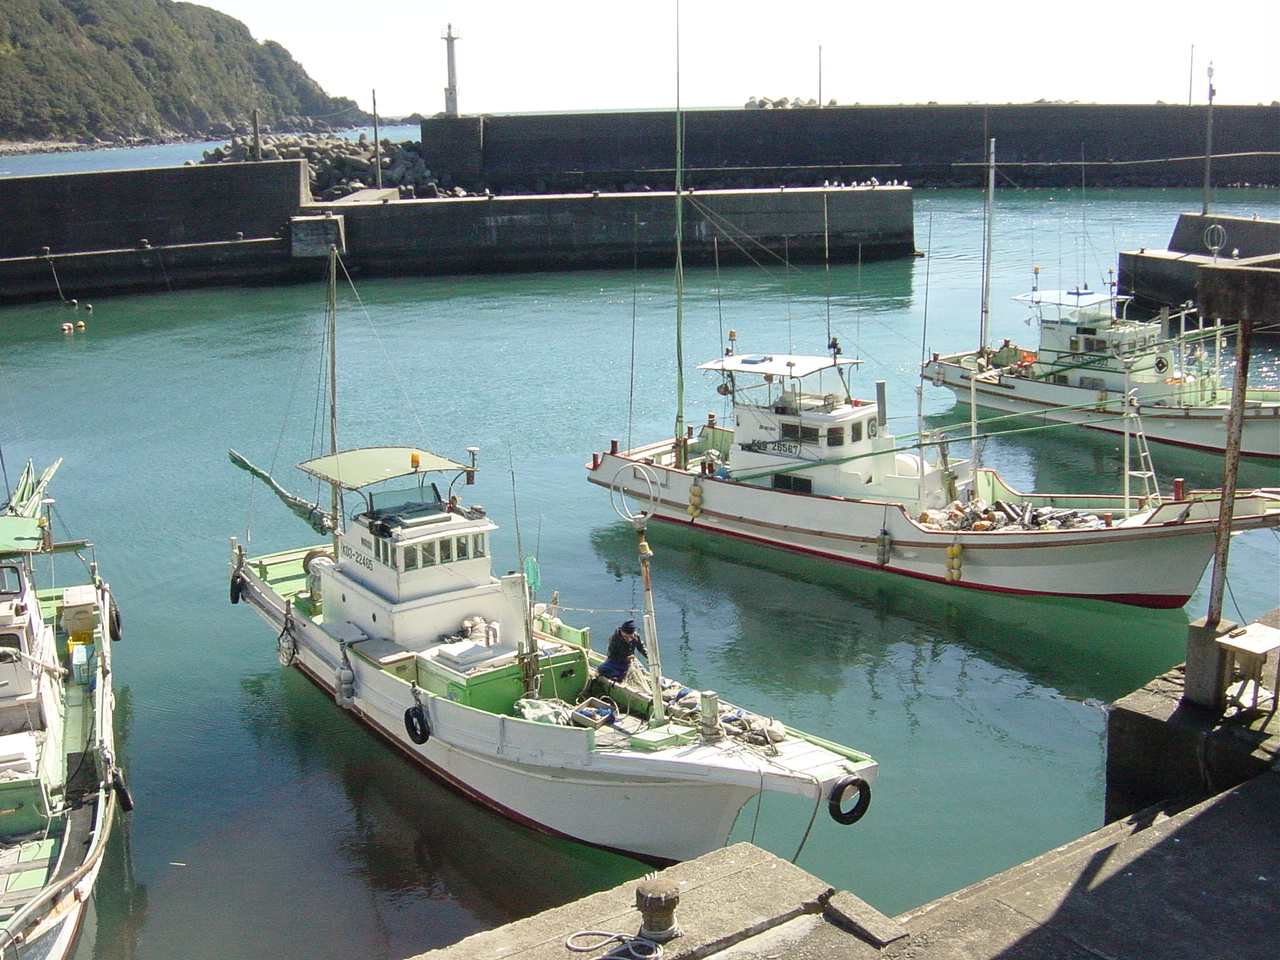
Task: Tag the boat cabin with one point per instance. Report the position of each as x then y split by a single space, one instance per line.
797 428
410 559
1085 335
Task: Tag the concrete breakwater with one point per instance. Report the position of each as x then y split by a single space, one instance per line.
1037 144
139 230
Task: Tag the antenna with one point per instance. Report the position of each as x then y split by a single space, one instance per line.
1208 143
451 91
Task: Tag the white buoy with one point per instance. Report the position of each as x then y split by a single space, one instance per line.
68 328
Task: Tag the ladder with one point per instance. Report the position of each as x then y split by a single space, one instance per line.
1146 470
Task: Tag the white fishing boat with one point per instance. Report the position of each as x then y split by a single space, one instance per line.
60 783
1090 357
808 467
400 617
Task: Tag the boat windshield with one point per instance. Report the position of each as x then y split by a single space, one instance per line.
418 499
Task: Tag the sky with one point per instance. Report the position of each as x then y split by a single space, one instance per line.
571 55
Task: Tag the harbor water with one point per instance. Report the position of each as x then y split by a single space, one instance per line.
267 824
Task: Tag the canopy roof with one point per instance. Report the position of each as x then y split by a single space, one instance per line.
20 535
1071 299
354 469
776 364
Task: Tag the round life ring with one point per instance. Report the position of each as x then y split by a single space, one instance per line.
834 801
114 628
123 797
237 586
872 428
416 724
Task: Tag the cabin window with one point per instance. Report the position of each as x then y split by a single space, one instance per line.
835 436
789 481
11 641
799 432
446 551
428 553
1075 344
411 557
464 547
10 580
478 546
855 432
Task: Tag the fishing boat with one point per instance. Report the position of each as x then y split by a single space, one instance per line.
1091 356
60 781
399 616
805 466
808 467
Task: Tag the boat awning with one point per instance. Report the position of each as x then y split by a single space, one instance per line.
1092 303
354 469
776 364
20 535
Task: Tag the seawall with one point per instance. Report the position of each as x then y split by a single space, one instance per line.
1037 145
137 230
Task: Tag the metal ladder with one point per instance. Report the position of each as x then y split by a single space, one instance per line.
1146 470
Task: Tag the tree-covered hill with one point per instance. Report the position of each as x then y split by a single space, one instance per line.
111 69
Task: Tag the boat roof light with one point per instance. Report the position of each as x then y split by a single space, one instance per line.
776 364
356 469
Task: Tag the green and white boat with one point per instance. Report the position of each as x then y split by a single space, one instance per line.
60 783
400 617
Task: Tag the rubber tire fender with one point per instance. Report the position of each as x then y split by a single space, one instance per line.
846 817
237 586
123 796
114 628
417 725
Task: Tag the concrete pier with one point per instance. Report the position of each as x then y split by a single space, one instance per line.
1187 868
1193 883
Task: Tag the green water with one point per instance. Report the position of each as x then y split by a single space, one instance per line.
268 825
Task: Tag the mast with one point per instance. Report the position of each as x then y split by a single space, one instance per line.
681 444
984 316
332 332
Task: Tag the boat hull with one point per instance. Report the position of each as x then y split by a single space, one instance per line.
1191 427
1112 563
661 813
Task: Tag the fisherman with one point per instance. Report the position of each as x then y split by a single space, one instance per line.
624 643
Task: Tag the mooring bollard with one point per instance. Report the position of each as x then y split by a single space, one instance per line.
657 899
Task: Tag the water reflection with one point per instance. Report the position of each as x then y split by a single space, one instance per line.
419 848
798 621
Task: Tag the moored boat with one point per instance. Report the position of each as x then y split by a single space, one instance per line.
1090 357
400 617
807 467
60 782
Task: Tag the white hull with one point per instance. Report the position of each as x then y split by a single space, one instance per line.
667 805
1194 427
1152 565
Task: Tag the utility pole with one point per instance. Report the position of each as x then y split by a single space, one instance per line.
451 91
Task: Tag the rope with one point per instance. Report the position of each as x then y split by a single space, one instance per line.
628 947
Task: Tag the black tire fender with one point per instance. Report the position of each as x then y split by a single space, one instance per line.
237 586
114 627
123 797
416 724
836 799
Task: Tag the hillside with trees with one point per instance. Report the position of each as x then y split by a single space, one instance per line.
147 69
